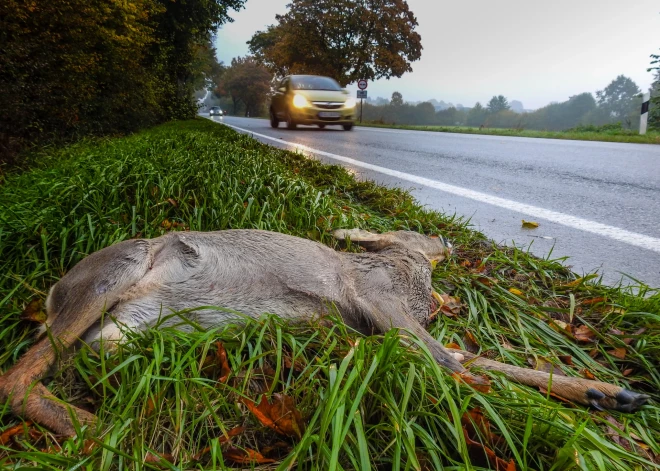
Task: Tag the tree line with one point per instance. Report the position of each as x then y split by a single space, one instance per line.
71 68
619 102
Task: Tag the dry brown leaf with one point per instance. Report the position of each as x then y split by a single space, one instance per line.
627 372
591 301
34 312
585 334
530 224
245 456
157 458
7 434
477 382
587 374
471 343
280 414
481 454
172 202
453 345
619 352
562 327
221 361
222 439
484 280
566 359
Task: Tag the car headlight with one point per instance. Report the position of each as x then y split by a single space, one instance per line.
350 103
300 101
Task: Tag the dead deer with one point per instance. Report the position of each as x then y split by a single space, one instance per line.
253 272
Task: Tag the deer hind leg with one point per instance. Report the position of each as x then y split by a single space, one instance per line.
81 296
582 391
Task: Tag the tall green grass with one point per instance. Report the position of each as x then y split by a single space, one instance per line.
368 403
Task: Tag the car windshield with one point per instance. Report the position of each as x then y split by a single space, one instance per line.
215 108
312 82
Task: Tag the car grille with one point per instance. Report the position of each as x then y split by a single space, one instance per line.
328 105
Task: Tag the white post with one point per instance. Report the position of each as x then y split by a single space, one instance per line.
644 119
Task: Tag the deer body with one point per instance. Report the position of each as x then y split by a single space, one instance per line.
251 272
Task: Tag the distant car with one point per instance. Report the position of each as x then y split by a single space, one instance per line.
216 111
311 99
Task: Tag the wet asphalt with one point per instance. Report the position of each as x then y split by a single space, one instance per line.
610 183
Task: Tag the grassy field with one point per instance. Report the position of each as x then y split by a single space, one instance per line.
652 137
168 400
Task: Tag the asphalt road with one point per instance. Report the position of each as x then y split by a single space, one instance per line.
597 203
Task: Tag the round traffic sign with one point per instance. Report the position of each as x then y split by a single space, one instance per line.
362 84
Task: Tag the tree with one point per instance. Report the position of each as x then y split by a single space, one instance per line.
397 99
477 115
620 100
497 104
247 82
344 39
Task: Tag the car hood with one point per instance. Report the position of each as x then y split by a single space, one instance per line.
323 95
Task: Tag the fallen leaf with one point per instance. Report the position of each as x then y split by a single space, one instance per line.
481 454
245 456
561 327
166 224
515 291
579 281
593 301
627 372
585 334
529 224
34 312
157 458
470 342
484 280
222 439
172 202
566 359
221 360
280 414
477 382
7 434
587 374
619 352
453 345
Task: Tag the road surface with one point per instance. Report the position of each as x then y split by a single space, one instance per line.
597 203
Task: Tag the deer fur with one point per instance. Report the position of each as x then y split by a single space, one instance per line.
252 272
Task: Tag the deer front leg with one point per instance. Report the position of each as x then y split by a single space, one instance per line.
582 391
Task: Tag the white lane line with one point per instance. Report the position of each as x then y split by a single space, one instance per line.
616 233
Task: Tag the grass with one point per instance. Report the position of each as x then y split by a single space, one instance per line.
366 403
651 137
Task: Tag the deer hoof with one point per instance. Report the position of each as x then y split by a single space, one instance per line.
624 401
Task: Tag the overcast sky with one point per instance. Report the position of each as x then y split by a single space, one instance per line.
528 50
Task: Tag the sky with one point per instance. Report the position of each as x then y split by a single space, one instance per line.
532 51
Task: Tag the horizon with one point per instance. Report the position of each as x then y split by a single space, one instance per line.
579 60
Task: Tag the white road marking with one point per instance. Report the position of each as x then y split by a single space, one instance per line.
604 230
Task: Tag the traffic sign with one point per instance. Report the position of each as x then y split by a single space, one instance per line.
362 94
362 84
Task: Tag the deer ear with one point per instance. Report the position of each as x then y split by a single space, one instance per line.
366 239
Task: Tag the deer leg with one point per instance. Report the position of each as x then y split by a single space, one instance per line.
582 391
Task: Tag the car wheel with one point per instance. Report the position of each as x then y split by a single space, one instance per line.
290 123
274 122
348 127
321 126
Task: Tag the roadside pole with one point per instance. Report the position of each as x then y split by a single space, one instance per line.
644 118
361 94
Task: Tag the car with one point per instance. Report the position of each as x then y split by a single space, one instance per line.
311 99
216 111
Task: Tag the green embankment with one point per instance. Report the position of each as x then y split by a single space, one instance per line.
652 137
367 403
